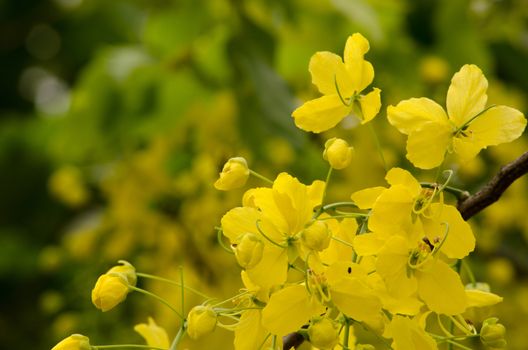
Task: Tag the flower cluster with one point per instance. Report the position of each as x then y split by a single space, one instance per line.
387 259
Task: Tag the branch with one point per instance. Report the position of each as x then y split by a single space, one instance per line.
492 191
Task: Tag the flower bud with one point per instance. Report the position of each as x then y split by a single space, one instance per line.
110 290
492 334
201 321
323 333
316 236
248 251
338 153
234 174
74 342
127 270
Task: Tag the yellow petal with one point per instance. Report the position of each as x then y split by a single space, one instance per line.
441 289
370 105
355 299
460 240
361 71
327 70
399 176
365 199
497 125
369 243
320 114
426 146
392 267
154 335
408 335
238 221
466 96
272 270
392 210
249 334
478 298
410 115
289 309
344 231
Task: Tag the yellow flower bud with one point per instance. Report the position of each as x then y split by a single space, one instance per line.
492 334
74 342
201 321
323 333
248 251
109 290
316 236
338 153
234 174
127 270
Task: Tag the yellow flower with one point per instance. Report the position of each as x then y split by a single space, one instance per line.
74 342
277 216
342 284
323 333
338 153
201 321
68 185
341 84
112 287
467 128
234 175
154 335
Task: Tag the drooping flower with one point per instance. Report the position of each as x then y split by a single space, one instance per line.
234 174
113 287
466 128
341 81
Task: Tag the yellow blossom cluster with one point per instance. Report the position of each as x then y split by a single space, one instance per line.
386 259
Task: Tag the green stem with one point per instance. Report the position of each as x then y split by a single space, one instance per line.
342 241
274 342
262 177
221 242
471 276
145 275
450 343
346 335
339 205
160 299
182 291
378 146
178 337
97 347
457 192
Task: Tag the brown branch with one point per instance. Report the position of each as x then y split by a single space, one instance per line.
492 191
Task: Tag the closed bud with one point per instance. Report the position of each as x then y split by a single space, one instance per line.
338 153
109 290
74 342
316 236
248 251
492 334
201 321
323 333
234 174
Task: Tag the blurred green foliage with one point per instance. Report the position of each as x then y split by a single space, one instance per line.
115 117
